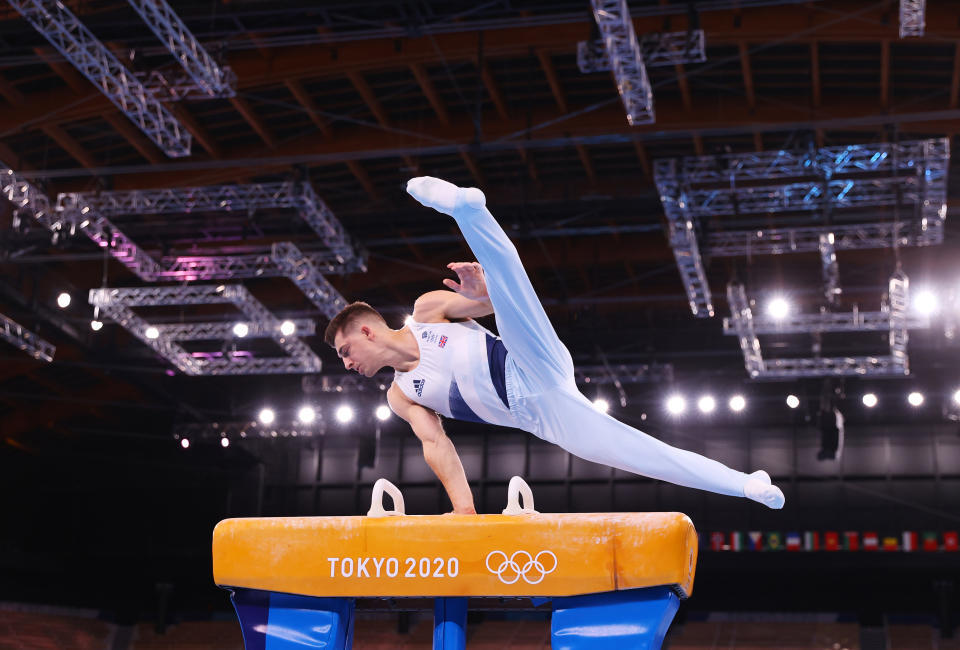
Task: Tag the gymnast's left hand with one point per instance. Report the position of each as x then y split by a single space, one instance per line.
472 284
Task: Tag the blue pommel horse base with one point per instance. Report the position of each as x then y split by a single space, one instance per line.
614 580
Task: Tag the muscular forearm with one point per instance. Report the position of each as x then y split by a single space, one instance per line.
442 458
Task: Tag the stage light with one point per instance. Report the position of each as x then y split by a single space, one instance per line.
240 330
601 405
869 400
408 320
344 414
63 300
224 442
793 401
185 443
383 412
288 327
152 332
267 416
926 303
738 403
778 308
956 396
706 404
915 398
96 325
306 415
676 404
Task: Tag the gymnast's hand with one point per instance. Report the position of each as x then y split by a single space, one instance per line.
472 283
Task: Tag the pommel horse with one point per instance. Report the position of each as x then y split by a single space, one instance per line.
614 580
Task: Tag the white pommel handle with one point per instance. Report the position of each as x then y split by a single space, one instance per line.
376 501
517 488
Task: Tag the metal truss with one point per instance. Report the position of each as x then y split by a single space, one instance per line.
831 271
214 431
633 373
26 340
224 331
913 174
779 241
27 199
626 59
292 263
198 64
893 317
178 86
683 241
118 304
912 17
667 48
92 58
189 268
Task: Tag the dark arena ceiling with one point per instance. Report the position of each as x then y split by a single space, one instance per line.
355 98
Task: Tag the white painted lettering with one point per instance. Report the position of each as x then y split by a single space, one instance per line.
344 571
333 565
395 565
362 567
377 565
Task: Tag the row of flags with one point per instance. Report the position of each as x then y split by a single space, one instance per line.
833 541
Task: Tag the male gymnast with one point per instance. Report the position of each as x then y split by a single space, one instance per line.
445 363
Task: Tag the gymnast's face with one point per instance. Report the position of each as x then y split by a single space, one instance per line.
359 347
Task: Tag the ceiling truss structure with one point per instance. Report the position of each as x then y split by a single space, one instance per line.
25 340
626 59
118 304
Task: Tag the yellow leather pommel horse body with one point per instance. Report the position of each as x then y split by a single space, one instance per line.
614 579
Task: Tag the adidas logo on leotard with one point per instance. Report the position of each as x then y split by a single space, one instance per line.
418 386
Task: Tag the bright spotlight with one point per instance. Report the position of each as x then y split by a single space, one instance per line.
288 327
306 414
706 404
601 405
915 398
956 396
267 416
185 443
676 404
869 400
224 442
793 401
96 325
382 412
778 308
408 320
738 403
152 332
344 414
926 302
240 330
63 300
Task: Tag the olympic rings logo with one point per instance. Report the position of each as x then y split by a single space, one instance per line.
521 565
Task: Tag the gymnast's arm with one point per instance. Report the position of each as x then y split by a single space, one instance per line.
438 449
469 298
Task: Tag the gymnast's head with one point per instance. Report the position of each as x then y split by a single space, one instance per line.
358 334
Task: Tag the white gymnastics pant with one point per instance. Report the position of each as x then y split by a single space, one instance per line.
543 395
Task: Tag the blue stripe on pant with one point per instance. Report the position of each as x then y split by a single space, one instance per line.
547 395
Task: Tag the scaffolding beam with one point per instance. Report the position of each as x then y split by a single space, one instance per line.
626 59
213 80
92 58
912 17
24 339
661 49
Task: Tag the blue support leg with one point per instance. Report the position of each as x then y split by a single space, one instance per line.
637 619
273 621
450 624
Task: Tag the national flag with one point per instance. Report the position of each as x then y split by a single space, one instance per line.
736 541
950 540
811 541
871 541
717 541
851 540
774 542
890 543
831 540
793 542
909 540
930 541
755 540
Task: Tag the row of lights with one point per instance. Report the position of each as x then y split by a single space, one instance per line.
925 302
676 404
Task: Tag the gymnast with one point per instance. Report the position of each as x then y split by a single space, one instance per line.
445 363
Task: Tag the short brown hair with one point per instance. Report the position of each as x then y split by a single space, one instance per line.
347 316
